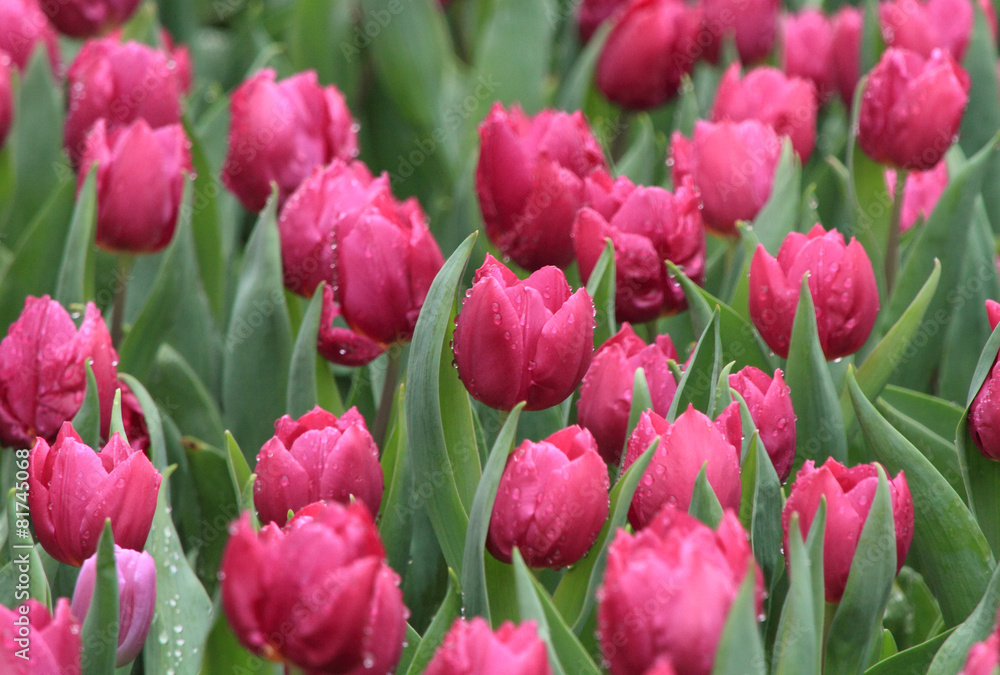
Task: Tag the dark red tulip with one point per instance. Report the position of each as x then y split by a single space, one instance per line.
754 24
984 413
471 648
592 13
88 18
281 132
770 403
529 340
841 281
807 49
33 641
73 490
849 494
846 59
551 502
911 108
530 182
606 394
327 565
23 26
317 457
923 27
921 194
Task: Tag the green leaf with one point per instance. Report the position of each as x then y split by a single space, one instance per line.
740 650
394 521
819 434
76 272
240 477
410 646
641 402
938 451
117 424
858 619
948 547
225 654
780 214
951 656
643 155
982 114
99 634
765 526
20 544
208 469
697 385
578 82
450 609
474 581
87 420
205 223
302 390
936 414
317 36
913 660
150 412
531 609
705 504
259 325
601 288
182 393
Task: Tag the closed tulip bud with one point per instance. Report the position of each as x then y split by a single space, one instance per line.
770 403
281 132
121 83
651 226
807 49
317 457
841 281
54 645
471 648
43 377
647 52
732 164
846 60
355 620
911 108
753 22
140 182
551 502
73 490
136 598
984 413
923 27
667 592
786 104
923 189
529 340
606 394
592 13
6 97
88 18
23 26
849 494
692 441
530 182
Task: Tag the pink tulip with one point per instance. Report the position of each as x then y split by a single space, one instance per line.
471 648
846 56
921 194
88 18
23 26
923 27
753 22
770 403
807 49
984 414
33 641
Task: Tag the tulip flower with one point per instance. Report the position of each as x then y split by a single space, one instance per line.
921 194
606 394
529 340
849 495
50 644
667 592
652 45
23 26
592 13
551 502
846 54
317 457
984 413
281 132
911 108
471 648
786 104
530 182
923 27
43 377
732 164
691 442
136 598
770 403
651 226
73 490
807 49
122 83
753 22
88 18
317 594
6 97
841 281
140 182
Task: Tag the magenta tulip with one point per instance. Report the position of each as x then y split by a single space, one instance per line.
88 18
23 26
317 594
984 413
770 403
923 27
33 641
529 340
807 49
754 24
592 13
471 648
923 189
317 457
983 657
846 59
551 502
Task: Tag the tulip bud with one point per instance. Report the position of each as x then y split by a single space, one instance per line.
136 598
51 645
140 182
807 49
686 445
592 13
529 340
530 182
340 582
122 83
923 189
846 58
984 413
770 403
984 657
43 377
651 226
667 592
73 490
317 457
753 22
849 495
647 52
911 108
923 27
841 281
471 648
552 500
88 18
606 395
283 131
786 104
732 164
6 97
23 26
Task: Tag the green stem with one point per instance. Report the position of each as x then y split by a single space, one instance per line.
388 393
118 300
892 248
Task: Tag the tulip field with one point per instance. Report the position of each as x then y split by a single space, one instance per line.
520 337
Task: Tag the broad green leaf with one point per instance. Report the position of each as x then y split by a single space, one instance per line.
76 271
181 392
705 504
982 114
601 288
740 650
951 656
697 385
302 389
205 224
223 652
639 161
765 526
913 660
936 414
99 634
217 508
938 451
150 412
411 644
319 36
565 642
531 609
780 214
395 512
87 420
117 423
450 609
641 402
